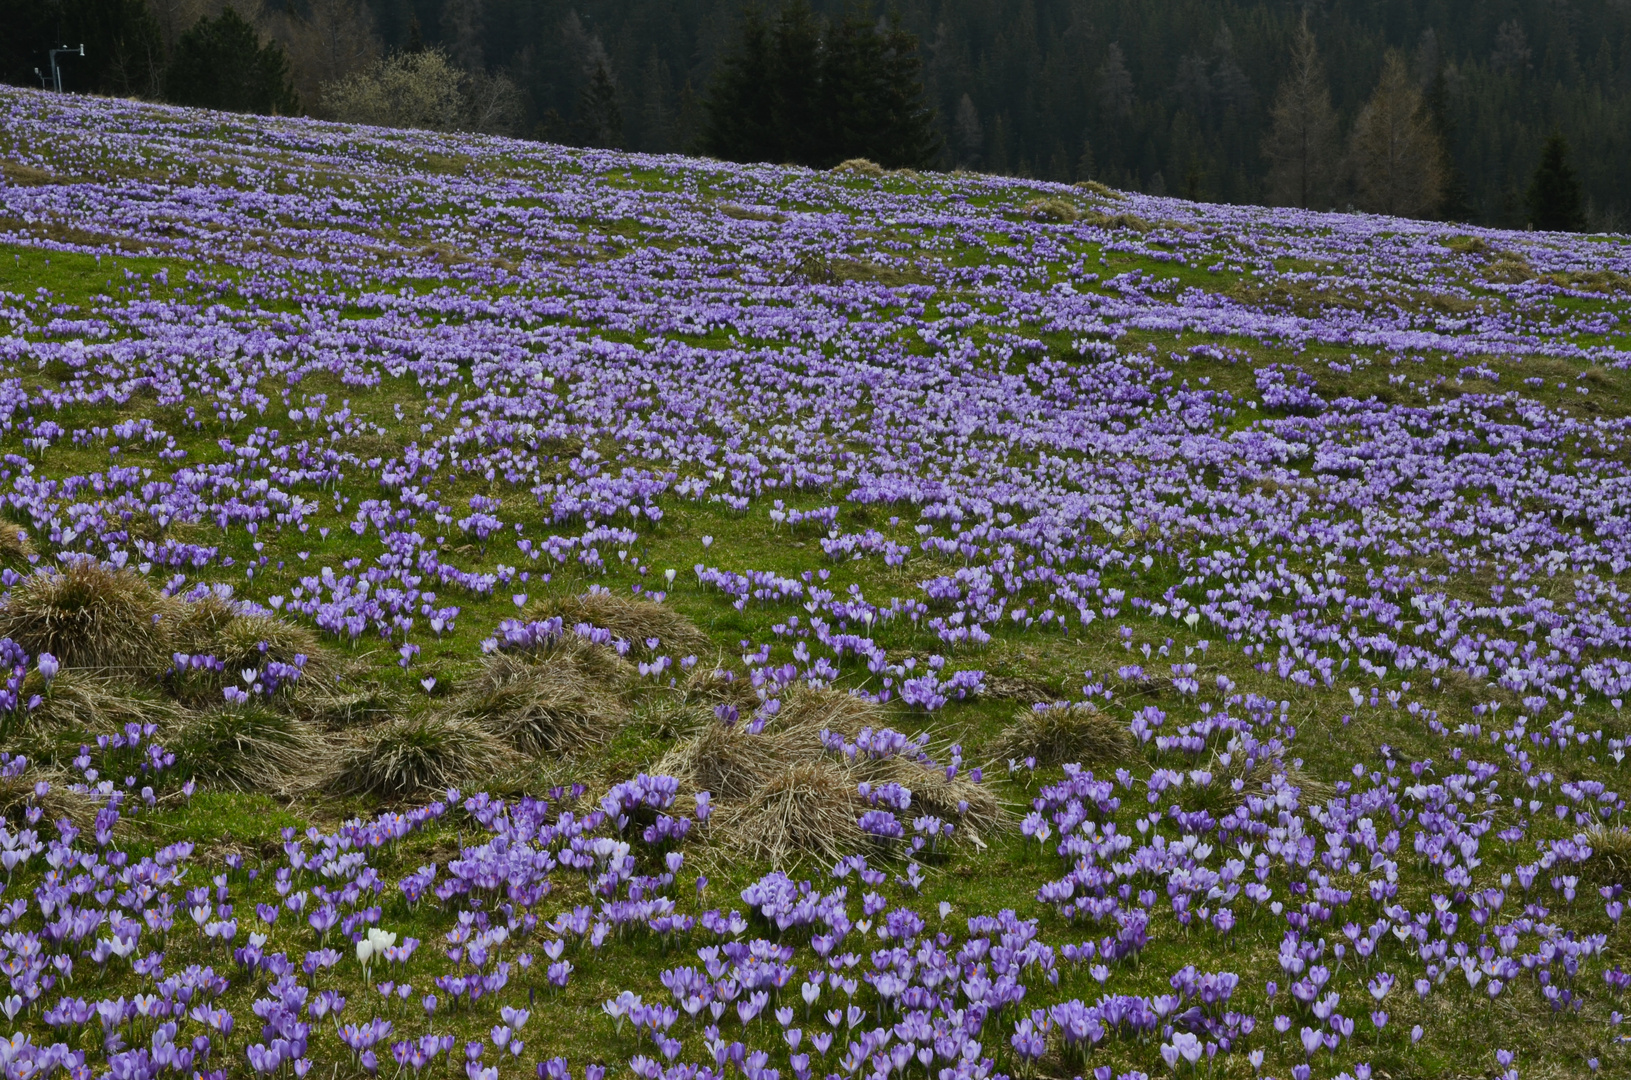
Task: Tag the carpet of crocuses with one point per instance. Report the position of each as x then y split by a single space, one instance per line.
1331 512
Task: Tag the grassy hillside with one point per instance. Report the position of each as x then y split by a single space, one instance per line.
1150 637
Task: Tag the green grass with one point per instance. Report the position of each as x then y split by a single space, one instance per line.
1459 1026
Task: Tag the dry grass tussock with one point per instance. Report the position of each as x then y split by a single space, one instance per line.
17 794
14 545
1610 862
1262 776
1078 734
406 757
781 796
720 686
330 704
88 616
91 703
1104 191
859 167
561 701
250 749
632 618
1060 210
251 641
95 618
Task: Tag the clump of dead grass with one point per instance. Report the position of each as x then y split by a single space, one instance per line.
803 808
90 616
564 700
249 749
1264 776
632 618
252 641
720 686
780 795
1610 861
200 620
18 793
411 756
91 703
322 701
1061 734
1102 190
14 545
859 167
1060 210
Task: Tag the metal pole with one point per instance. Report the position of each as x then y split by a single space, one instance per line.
56 69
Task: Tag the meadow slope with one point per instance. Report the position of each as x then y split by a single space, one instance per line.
478 605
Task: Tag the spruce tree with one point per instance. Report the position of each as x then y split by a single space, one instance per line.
796 92
795 85
600 116
1554 193
1456 204
851 91
740 116
221 64
1397 156
907 138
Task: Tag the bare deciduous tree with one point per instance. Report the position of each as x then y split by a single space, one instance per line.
1302 145
333 40
970 137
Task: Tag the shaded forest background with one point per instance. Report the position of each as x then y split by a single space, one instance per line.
1161 96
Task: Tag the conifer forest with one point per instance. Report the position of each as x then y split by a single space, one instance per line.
1181 97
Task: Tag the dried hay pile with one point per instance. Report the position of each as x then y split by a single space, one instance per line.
14 545
859 167
782 796
252 748
114 634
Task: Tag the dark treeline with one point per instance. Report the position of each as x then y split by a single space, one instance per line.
1185 97
799 89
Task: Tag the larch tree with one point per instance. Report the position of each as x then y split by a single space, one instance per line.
1396 152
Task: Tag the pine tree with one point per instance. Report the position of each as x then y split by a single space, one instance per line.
872 95
221 64
740 117
1554 193
1397 157
791 92
1301 146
